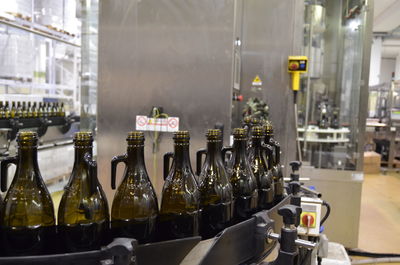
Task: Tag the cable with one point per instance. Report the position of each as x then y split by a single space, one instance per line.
328 212
376 261
296 124
362 253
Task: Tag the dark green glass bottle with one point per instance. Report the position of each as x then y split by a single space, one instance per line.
7 111
35 112
19 113
2 113
27 220
260 170
179 211
61 111
276 168
13 111
216 195
135 208
83 217
245 191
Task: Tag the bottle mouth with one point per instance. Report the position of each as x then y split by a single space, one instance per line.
268 128
135 139
214 135
135 136
240 134
257 132
83 138
27 138
181 136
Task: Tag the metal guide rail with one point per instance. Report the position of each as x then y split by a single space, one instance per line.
243 243
40 123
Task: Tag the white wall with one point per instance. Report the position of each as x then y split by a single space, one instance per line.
388 67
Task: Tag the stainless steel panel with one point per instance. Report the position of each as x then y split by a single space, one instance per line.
342 190
170 53
271 31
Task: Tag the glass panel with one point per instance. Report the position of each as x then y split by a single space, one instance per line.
329 102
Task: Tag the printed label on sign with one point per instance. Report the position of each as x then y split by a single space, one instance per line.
144 123
257 81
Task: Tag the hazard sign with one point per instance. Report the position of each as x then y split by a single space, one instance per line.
257 81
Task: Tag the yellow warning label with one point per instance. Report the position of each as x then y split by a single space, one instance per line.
257 81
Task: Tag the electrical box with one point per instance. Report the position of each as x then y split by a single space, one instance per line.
310 217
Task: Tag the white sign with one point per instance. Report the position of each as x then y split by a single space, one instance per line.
144 123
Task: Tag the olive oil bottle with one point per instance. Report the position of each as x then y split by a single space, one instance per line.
135 207
276 168
27 218
83 217
216 194
260 170
245 191
179 211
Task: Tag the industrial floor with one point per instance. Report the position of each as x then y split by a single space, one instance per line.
380 214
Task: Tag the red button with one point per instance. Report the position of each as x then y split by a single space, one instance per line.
294 66
307 220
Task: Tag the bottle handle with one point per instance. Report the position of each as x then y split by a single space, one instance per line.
167 157
92 165
4 169
114 163
224 150
268 153
199 155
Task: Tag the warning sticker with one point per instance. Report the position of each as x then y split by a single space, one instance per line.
144 123
257 81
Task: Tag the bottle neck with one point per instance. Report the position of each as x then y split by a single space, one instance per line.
27 162
256 146
181 155
135 156
213 151
80 152
239 148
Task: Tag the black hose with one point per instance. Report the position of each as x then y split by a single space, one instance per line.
328 212
362 253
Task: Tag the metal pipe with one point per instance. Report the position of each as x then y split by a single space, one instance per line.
305 244
308 86
37 32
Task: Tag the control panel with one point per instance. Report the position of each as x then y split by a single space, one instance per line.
297 64
310 217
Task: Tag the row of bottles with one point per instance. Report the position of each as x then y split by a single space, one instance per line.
223 194
31 109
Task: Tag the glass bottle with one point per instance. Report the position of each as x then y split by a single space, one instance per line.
27 220
179 211
83 217
260 170
54 110
216 195
13 111
245 191
62 110
2 113
7 111
135 206
29 110
34 110
24 110
276 168
19 114
41 110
